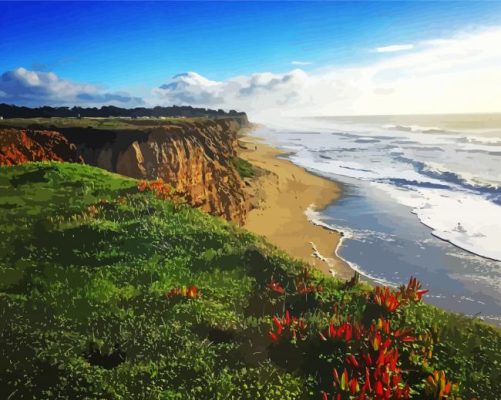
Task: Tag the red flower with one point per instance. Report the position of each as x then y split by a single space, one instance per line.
288 327
386 298
412 291
190 292
275 287
158 187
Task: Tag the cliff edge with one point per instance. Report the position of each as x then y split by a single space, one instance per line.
194 156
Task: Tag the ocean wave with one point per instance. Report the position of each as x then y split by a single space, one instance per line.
367 140
441 173
402 182
414 128
460 207
480 151
344 149
483 140
315 217
425 148
464 179
467 221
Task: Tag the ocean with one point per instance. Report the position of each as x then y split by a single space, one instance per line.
421 197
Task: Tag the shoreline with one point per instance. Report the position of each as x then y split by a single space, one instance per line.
282 194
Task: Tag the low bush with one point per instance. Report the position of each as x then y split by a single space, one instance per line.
244 168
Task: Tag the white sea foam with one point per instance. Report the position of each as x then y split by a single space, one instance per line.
467 177
451 182
316 219
466 220
490 141
413 128
454 194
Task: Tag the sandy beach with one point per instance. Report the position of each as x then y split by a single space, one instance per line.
281 194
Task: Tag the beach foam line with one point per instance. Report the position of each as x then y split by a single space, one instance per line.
322 258
314 217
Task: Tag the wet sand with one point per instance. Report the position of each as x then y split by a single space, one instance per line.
281 194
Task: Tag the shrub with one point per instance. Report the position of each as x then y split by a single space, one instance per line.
244 168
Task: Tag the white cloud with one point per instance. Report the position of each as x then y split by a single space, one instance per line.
34 88
456 74
191 88
301 63
394 48
253 92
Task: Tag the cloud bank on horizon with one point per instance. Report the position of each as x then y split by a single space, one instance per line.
34 88
456 74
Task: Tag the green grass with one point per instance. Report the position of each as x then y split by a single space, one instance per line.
244 168
86 260
95 123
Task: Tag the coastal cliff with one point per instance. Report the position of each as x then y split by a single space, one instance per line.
194 156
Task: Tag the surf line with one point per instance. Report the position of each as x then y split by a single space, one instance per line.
313 217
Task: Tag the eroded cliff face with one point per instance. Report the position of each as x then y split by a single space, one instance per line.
194 158
20 146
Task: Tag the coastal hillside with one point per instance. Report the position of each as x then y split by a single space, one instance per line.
112 288
197 156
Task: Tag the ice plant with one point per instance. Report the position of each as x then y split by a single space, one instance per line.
367 359
369 384
402 334
275 287
439 387
344 332
371 368
386 298
289 328
305 285
189 292
158 187
412 291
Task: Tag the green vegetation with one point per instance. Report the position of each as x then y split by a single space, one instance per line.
107 292
244 168
96 123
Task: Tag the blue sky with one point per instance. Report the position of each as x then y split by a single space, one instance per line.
134 47
124 44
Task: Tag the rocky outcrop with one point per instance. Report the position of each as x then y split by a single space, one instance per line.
21 146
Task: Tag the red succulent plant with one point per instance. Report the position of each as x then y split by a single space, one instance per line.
305 285
158 187
387 298
412 291
275 287
289 328
439 387
189 292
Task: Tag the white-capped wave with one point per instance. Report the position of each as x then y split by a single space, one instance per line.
457 195
466 220
413 128
490 141
468 178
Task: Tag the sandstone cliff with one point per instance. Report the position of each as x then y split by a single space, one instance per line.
193 156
